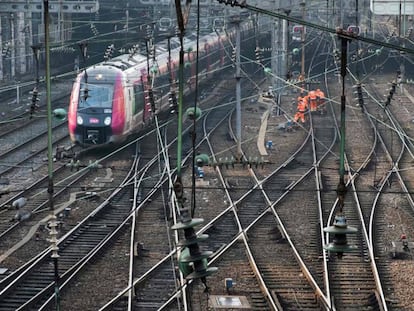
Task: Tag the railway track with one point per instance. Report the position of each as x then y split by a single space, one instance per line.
395 149
265 222
31 285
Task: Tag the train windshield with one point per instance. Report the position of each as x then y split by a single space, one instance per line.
96 95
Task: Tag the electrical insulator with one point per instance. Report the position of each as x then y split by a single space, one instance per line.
149 31
233 54
193 262
410 32
109 51
339 243
134 50
150 99
258 53
337 55
6 50
399 77
391 93
86 93
94 30
233 2
172 100
360 96
35 99
393 88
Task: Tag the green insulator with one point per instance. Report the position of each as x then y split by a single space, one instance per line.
60 114
339 242
193 113
187 64
190 224
203 273
267 70
191 258
295 51
378 52
199 238
202 159
185 267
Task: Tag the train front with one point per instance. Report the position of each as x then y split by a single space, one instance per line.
97 107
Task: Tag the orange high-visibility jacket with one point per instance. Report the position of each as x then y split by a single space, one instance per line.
302 105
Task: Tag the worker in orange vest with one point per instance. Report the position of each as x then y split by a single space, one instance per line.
301 110
313 101
320 95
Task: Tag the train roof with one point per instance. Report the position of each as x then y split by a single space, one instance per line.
136 61
125 61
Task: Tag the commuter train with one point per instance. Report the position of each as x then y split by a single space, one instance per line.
110 100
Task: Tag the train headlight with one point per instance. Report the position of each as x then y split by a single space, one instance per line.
79 119
107 121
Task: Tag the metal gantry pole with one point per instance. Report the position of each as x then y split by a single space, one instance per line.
302 39
13 48
53 223
285 47
1 56
36 49
238 90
